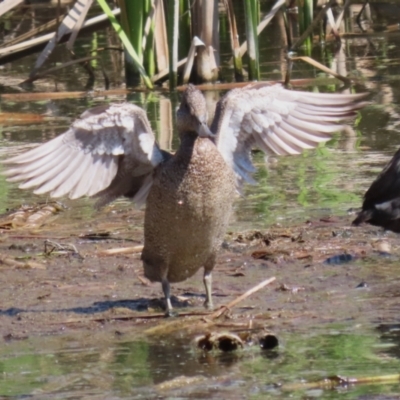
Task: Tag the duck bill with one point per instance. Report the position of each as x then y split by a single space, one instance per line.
204 131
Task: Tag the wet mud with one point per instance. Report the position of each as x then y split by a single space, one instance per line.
57 276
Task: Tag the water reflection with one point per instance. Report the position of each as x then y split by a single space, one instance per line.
121 369
113 366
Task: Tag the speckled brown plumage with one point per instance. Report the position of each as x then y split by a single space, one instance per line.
188 210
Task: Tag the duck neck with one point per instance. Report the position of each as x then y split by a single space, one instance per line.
188 136
188 140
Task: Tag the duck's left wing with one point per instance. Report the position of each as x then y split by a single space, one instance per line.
110 151
276 120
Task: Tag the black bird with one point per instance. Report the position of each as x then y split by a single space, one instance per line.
381 204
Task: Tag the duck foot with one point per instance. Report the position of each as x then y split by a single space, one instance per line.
171 314
167 295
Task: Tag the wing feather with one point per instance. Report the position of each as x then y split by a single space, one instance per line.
302 143
104 153
56 168
102 180
323 119
277 120
37 153
312 137
310 126
89 177
38 166
277 149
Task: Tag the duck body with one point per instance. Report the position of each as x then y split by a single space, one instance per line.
187 212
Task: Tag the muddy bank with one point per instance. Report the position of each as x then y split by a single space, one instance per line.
56 278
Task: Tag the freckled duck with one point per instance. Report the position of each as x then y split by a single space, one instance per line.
381 204
111 151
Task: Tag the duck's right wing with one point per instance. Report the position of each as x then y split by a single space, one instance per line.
109 152
277 121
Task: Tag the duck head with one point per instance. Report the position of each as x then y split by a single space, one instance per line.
192 114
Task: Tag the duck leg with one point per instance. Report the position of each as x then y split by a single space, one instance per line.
167 295
207 280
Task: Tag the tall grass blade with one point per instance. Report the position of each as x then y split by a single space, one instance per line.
251 21
310 28
127 44
234 36
132 16
173 32
148 38
265 21
306 9
185 28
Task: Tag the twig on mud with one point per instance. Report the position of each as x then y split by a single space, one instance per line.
337 381
144 281
35 237
6 261
51 247
121 250
233 303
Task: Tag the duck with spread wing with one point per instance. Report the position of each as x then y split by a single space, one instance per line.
111 151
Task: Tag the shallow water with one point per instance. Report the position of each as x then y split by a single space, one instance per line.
139 369
63 329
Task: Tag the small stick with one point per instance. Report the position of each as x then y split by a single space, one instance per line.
337 381
322 67
121 250
233 303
